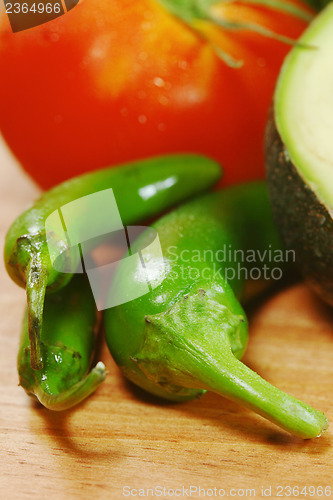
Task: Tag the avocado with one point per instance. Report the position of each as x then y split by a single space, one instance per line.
318 4
299 154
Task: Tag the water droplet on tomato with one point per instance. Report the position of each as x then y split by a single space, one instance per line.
163 100
143 56
159 82
142 119
146 25
182 64
161 127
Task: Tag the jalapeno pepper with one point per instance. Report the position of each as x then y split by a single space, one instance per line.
188 333
67 348
141 190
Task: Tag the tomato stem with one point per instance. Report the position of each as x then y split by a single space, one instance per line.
190 11
279 5
257 28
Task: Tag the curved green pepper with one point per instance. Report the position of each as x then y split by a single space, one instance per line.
142 189
186 336
70 319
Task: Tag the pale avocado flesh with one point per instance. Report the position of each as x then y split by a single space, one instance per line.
299 154
303 105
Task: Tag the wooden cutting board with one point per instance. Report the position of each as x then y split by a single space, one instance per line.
123 441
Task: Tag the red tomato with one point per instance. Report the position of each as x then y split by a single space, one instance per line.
116 80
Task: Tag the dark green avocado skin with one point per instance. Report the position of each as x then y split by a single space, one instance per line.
304 222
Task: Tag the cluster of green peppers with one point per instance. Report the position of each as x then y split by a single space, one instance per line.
187 334
58 340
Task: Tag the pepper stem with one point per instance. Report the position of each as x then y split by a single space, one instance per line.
35 288
75 394
190 346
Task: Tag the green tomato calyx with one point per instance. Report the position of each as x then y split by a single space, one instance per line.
192 12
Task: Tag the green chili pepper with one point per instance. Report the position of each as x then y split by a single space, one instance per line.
68 343
142 189
188 333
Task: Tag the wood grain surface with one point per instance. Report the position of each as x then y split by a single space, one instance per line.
121 439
